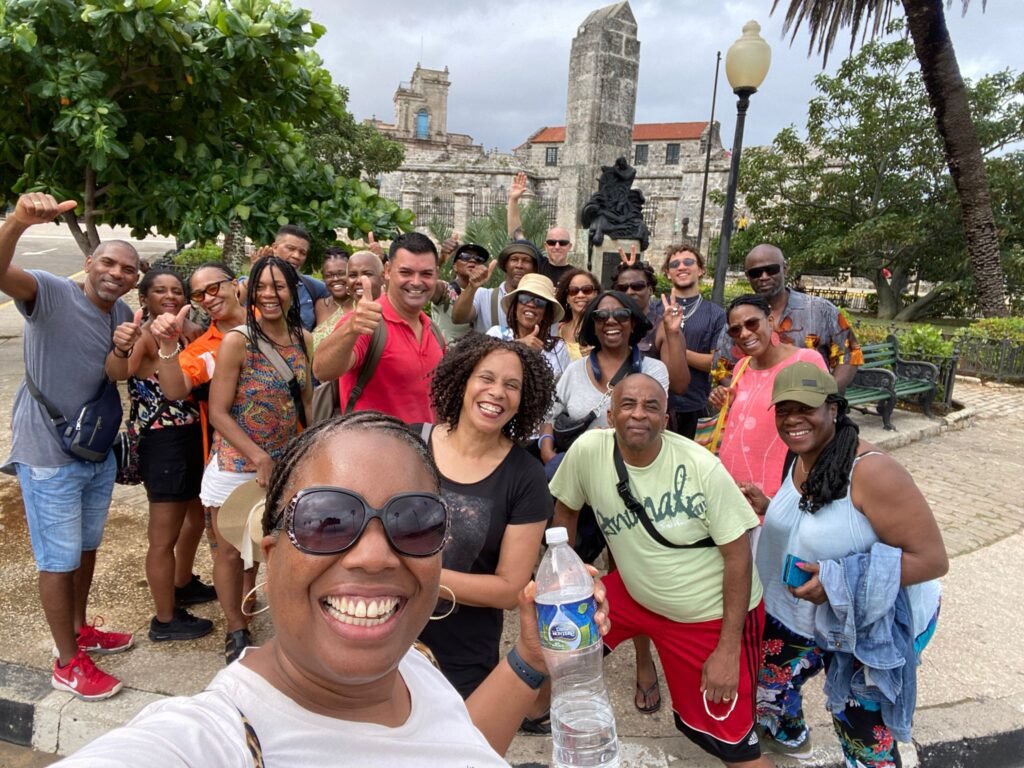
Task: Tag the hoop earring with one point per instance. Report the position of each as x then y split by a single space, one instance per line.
450 610
252 593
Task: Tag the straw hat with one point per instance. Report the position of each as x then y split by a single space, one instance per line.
538 285
240 520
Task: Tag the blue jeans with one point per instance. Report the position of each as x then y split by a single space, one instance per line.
66 508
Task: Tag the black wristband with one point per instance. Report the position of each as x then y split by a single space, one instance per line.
123 354
526 673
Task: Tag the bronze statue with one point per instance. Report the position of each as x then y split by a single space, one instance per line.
616 209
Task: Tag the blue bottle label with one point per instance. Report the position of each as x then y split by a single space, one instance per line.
568 626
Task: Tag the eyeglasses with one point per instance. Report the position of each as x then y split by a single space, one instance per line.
676 263
328 521
767 269
636 285
622 314
211 290
473 256
751 324
528 299
586 290
563 243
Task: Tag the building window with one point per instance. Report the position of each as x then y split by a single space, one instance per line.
422 120
551 156
640 155
671 154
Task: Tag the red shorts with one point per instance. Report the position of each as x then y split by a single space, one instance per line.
683 649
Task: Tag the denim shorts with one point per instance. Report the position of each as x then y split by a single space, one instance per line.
66 509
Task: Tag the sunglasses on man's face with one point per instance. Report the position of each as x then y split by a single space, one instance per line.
552 243
528 299
676 263
328 521
636 286
477 258
211 290
751 324
622 314
768 269
586 290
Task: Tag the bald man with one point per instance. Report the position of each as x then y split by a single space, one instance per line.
557 242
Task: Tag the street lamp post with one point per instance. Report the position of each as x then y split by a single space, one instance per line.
746 66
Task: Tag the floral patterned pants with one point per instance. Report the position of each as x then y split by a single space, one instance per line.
789 662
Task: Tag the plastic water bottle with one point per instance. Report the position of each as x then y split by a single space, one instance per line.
582 721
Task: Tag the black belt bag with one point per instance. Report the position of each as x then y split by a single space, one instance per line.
91 433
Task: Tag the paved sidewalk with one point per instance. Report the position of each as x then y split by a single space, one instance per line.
971 684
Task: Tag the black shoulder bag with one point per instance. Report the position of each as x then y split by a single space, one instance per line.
637 508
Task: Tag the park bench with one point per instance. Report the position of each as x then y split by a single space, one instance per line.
885 377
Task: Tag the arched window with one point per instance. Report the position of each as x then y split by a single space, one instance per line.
421 124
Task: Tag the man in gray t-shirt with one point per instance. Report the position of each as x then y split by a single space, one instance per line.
74 335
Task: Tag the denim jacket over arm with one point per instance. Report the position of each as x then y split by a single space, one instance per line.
867 626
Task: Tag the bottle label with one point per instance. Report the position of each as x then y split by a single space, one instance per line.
568 626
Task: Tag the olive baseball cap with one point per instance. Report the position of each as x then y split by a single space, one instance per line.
803 383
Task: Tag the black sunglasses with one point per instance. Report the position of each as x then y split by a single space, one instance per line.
211 290
562 243
768 269
636 285
751 324
622 314
474 256
586 290
537 301
676 263
327 521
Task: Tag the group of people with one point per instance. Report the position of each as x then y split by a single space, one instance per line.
548 398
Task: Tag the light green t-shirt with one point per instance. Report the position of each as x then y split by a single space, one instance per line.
688 496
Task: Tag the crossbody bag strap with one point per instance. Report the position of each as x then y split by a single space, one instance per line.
373 354
495 317
283 370
637 508
716 436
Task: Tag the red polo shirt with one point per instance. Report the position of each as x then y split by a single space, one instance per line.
400 386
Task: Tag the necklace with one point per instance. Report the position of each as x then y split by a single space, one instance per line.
691 307
803 467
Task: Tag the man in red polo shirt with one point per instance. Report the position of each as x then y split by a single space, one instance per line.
400 385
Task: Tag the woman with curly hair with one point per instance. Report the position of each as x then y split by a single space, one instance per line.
574 291
488 394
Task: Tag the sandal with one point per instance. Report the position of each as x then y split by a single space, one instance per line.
644 695
540 726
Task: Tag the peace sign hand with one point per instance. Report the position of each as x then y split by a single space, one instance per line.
673 321
630 260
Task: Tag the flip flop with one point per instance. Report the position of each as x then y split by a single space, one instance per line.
645 695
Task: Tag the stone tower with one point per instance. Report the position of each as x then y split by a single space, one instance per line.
421 106
603 67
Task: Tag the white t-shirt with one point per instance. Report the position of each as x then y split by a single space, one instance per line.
576 395
206 730
483 303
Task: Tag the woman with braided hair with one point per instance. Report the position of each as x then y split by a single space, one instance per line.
870 554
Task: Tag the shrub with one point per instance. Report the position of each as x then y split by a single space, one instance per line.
997 328
926 340
196 255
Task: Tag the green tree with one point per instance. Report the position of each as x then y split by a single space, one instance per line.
352 148
868 189
175 116
947 94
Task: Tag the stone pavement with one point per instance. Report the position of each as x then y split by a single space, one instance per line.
971 684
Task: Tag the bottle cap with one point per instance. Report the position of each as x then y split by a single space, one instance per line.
556 536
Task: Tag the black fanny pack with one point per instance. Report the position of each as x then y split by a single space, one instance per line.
91 433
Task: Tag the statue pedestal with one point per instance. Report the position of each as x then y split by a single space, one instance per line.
604 259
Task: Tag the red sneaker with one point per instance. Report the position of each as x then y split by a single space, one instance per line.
93 640
84 679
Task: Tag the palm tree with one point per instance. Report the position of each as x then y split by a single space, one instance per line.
926 21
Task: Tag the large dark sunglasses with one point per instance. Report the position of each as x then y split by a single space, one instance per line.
586 290
751 324
687 262
768 269
527 299
553 243
474 256
327 521
622 314
211 290
636 285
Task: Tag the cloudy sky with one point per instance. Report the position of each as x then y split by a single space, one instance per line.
508 59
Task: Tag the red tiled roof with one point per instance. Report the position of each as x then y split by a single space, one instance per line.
641 132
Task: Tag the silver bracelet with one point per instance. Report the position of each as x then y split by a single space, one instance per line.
162 356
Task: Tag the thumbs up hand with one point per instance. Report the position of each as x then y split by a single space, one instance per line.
533 339
167 329
126 334
39 208
368 313
374 246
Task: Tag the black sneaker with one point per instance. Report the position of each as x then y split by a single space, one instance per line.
234 643
194 592
184 626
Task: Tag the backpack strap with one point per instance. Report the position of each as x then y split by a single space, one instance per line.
281 366
495 317
377 341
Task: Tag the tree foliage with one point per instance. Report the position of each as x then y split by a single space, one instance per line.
868 189
352 148
175 116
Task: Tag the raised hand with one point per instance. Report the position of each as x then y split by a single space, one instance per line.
533 340
630 260
448 247
39 208
518 187
373 245
167 328
259 253
368 313
126 334
673 320
480 274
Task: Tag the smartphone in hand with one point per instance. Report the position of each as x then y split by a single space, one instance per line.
792 576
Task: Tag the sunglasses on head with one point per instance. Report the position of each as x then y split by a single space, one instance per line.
537 301
586 290
328 521
622 314
563 243
211 290
636 285
687 262
768 269
751 324
479 258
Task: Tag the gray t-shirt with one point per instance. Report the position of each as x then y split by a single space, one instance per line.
483 302
577 396
67 339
